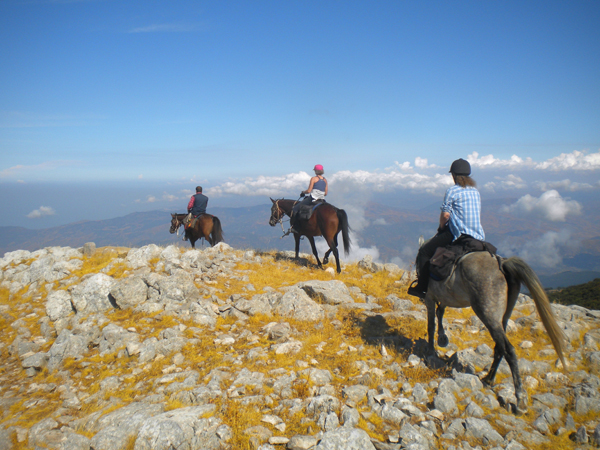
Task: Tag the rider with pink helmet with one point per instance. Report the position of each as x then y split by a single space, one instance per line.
318 185
317 189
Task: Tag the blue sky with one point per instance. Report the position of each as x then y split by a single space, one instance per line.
110 106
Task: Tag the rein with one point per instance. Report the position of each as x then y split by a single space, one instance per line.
281 215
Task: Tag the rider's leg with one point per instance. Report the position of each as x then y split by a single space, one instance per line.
295 211
426 252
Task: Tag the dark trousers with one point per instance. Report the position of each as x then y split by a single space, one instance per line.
426 252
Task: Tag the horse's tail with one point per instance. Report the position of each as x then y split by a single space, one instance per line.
343 220
217 231
521 271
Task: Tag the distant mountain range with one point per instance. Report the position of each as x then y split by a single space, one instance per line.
390 230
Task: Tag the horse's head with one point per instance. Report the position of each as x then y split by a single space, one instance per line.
276 213
175 224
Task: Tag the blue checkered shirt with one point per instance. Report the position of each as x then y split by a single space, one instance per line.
464 206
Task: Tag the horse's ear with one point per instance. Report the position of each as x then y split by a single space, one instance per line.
272 200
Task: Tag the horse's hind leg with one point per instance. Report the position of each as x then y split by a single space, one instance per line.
336 253
328 252
505 349
442 338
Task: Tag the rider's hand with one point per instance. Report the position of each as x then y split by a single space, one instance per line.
302 194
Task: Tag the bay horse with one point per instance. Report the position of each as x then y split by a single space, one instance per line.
490 285
207 226
326 221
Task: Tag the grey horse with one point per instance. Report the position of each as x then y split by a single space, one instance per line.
491 286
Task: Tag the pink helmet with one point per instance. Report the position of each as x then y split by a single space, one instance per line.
318 167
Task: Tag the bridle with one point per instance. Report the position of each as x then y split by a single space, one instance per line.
280 215
176 225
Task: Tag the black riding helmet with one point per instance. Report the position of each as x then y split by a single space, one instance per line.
461 167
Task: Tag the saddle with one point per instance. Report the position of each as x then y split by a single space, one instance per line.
305 212
444 259
190 220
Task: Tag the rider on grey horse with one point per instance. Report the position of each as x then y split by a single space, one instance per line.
460 216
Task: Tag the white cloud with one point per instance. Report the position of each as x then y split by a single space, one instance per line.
404 166
359 180
565 185
151 199
572 161
546 251
509 182
550 206
488 161
380 221
170 197
22 169
576 160
422 163
41 212
356 251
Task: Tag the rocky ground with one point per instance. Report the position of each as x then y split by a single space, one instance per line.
163 348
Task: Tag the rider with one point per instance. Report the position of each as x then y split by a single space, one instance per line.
317 189
197 205
461 210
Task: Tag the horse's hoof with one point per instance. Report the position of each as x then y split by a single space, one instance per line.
487 382
325 260
520 410
443 340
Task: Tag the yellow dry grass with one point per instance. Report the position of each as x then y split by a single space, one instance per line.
336 344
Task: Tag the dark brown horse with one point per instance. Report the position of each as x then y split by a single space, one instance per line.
206 226
326 221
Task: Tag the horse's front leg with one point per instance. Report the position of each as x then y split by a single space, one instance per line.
430 304
442 338
314 249
297 243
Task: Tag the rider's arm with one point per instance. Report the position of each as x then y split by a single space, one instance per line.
191 203
444 218
313 180
326 185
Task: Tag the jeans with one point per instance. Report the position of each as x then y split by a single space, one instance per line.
426 252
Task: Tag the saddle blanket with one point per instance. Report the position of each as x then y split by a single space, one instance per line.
445 258
306 211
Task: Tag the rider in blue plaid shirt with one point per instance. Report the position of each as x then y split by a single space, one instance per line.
462 206
460 216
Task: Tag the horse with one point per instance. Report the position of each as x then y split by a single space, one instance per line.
326 221
206 226
490 285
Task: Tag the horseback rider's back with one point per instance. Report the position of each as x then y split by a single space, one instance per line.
198 203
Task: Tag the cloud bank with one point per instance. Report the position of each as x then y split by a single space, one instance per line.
576 160
546 251
422 177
